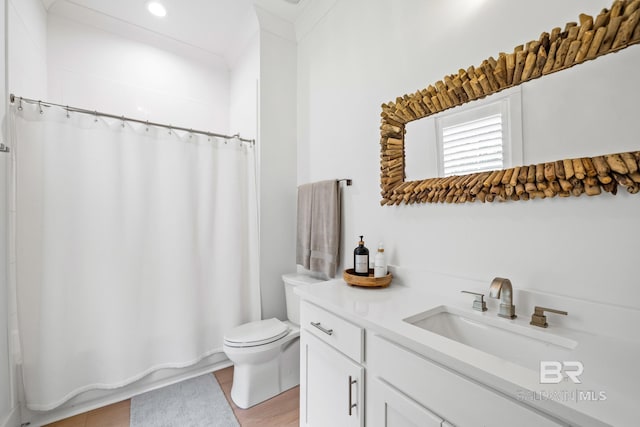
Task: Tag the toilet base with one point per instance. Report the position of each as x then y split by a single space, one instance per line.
278 370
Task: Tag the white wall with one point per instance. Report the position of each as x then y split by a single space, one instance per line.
244 79
26 75
277 148
27 48
95 69
364 53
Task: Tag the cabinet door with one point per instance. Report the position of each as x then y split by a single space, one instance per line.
331 386
391 408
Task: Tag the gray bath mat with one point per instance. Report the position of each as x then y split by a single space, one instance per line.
198 402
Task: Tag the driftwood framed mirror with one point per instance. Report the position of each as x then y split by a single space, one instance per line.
611 30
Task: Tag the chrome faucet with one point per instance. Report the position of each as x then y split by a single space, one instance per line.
500 286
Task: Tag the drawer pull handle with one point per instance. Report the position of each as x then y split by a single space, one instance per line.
351 405
319 326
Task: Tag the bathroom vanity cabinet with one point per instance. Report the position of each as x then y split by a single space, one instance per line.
409 375
403 387
332 376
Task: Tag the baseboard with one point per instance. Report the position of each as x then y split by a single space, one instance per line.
149 383
13 419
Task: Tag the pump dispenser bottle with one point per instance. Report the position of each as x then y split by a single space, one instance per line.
361 259
380 263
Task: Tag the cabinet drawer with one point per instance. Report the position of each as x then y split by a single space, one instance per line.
335 331
457 399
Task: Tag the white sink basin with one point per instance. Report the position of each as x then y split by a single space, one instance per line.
503 338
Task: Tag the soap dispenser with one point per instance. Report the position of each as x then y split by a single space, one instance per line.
361 259
380 262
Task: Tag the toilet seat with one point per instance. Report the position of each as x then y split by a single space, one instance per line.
256 333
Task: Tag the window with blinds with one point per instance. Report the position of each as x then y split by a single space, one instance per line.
480 137
473 146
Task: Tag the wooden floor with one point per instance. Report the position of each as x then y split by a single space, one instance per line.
116 415
281 411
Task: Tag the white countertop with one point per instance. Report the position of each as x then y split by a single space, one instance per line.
610 364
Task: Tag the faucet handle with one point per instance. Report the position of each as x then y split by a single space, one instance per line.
539 319
478 302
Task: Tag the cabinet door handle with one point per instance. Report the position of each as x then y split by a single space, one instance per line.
319 326
351 405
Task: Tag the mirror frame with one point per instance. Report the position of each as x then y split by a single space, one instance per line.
612 30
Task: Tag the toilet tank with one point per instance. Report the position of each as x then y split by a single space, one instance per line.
292 280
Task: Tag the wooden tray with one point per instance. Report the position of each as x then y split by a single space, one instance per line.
366 281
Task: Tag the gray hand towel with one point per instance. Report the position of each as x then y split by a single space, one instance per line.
318 242
325 227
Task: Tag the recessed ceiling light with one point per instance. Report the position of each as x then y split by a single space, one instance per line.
157 9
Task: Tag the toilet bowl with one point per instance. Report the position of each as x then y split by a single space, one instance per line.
266 353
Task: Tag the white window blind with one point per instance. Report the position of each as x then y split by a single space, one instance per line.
473 146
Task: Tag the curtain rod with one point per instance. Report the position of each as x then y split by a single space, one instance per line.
20 99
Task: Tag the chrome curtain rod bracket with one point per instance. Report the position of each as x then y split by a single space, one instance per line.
4 149
347 180
12 99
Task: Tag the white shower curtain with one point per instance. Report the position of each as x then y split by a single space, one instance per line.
136 249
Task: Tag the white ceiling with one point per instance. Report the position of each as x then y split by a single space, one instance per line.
218 27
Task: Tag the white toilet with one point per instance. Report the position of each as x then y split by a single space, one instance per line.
266 353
